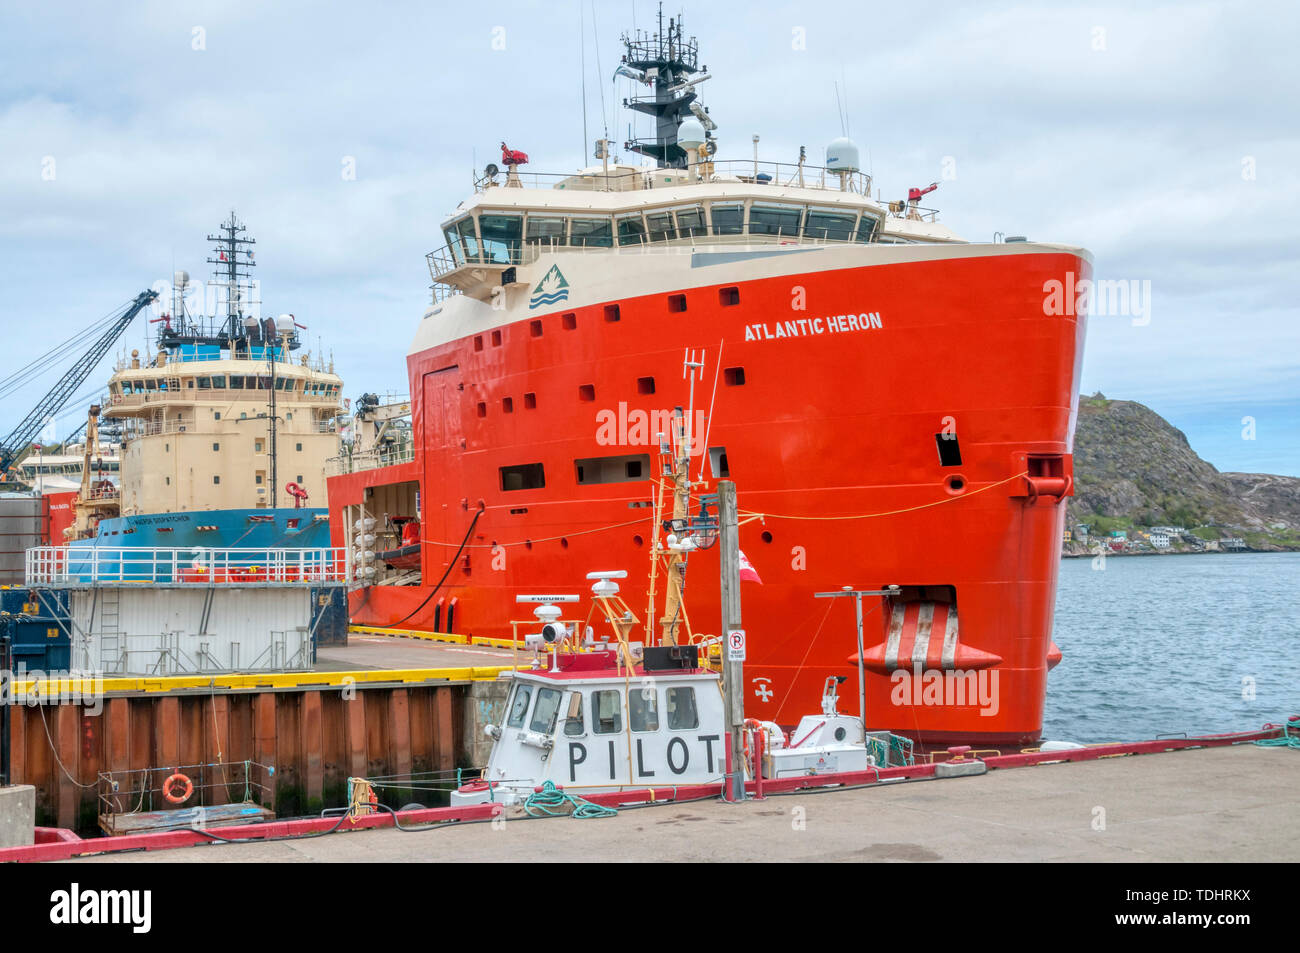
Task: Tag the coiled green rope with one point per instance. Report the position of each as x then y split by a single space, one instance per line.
1290 737
550 801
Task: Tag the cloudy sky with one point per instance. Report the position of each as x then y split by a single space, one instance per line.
1163 137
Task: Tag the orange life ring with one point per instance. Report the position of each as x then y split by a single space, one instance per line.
750 725
171 795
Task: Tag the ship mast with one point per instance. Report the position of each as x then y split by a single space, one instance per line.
234 258
676 453
668 63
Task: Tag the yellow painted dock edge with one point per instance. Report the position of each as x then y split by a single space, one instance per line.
447 637
89 685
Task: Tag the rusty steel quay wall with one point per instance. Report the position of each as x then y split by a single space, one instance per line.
315 735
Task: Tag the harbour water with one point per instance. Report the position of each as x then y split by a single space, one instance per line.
1153 645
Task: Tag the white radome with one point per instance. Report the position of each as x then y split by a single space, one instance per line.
842 156
690 134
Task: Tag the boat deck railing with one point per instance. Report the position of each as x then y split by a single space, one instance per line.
748 171
367 460
88 566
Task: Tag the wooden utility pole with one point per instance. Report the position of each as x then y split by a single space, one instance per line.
733 672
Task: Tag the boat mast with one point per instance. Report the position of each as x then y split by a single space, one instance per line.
668 62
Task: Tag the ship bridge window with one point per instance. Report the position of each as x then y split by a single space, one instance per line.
205 383
728 219
625 469
868 227
661 227
218 380
527 476
643 709
829 224
236 382
775 220
606 713
462 240
501 235
545 711
591 232
690 221
519 706
631 229
544 230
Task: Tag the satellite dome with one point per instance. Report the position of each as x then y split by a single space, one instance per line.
690 134
842 156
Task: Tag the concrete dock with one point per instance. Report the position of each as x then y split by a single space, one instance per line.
1220 804
373 652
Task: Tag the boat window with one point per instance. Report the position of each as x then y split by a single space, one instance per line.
606 713
775 220
592 232
218 380
868 227
682 712
661 226
526 476
643 709
468 241
542 230
453 244
205 383
830 224
544 712
573 719
690 221
622 469
631 229
501 235
519 706
728 219
236 382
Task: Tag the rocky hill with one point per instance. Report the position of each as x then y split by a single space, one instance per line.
1133 469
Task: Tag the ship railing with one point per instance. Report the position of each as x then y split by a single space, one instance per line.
749 171
93 566
367 460
224 395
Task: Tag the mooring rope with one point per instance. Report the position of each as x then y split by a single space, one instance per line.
550 801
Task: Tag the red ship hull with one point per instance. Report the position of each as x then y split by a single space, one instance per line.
830 436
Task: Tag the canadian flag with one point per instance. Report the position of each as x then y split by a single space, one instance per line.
747 571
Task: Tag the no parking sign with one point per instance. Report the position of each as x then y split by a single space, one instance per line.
736 645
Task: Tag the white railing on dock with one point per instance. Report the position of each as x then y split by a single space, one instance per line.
77 566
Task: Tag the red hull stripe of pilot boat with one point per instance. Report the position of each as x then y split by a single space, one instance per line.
896 403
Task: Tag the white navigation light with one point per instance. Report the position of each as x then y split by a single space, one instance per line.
690 134
842 156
